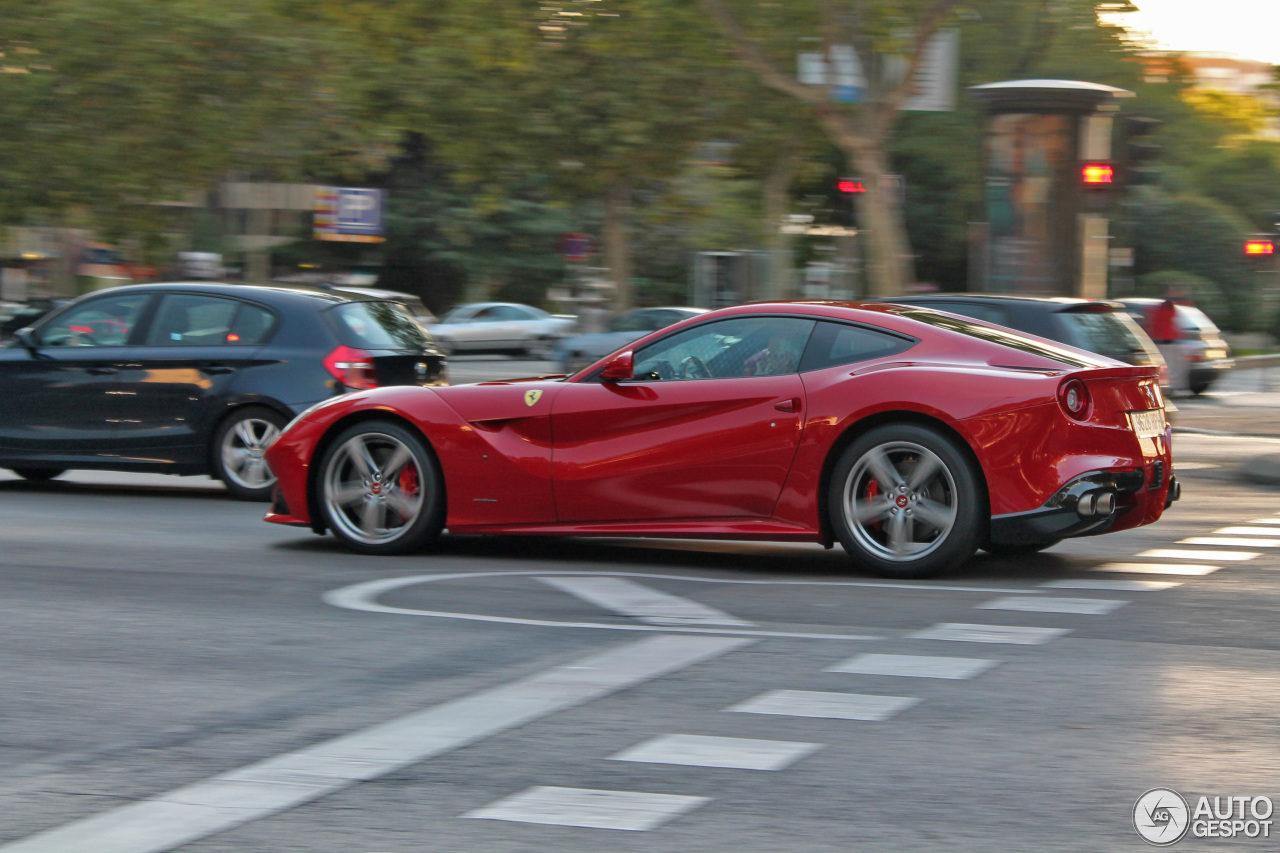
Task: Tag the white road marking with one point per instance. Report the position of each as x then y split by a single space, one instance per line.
1106 583
628 598
1231 541
1248 531
629 810
732 752
1188 569
914 666
195 811
1082 606
1264 521
1191 554
364 597
961 632
836 706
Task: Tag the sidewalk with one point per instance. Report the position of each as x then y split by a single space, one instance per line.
1245 403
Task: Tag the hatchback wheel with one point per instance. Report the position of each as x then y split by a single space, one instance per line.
38 475
906 502
238 449
381 490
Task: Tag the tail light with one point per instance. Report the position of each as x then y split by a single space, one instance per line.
1073 396
352 367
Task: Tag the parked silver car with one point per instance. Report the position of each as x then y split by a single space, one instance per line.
501 327
575 353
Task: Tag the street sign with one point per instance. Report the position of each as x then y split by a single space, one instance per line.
349 214
577 247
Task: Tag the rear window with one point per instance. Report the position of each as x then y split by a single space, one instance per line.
1004 337
1194 319
378 325
1110 333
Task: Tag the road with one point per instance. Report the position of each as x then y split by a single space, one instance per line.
178 674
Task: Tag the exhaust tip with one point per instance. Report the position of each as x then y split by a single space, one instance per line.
1087 505
1106 503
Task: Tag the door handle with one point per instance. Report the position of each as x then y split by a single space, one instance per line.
216 370
101 371
791 405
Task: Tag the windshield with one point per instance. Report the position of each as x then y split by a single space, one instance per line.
379 325
1110 333
1004 337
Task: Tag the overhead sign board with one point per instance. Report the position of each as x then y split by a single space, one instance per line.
349 214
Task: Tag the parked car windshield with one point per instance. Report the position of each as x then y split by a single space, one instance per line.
1109 333
379 325
1004 337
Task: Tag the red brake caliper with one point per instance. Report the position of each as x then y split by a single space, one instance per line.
873 489
409 480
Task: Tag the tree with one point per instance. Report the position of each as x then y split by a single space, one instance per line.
875 31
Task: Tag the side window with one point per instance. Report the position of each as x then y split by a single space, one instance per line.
104 322
507 313
252 325
836 343
192 320
744 346
485 315
978 311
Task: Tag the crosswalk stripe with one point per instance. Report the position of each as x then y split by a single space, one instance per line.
1231 541
730 752
628 598
1191 554
1110 584
813 703
1188 569
914 666
1037 604
195 811
585 807
962 632
1248 531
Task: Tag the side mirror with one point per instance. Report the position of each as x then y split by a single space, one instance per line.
23 336
618 368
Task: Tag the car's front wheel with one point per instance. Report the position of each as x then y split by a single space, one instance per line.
380 489
906 501
238 448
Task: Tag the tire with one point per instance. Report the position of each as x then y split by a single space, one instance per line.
39 475
927 527
380 489
1198 388
237 450
1022 550
541 349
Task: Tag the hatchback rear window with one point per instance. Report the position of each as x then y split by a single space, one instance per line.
378 325
997 335
1109 333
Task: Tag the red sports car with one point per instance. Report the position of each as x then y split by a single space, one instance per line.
912 436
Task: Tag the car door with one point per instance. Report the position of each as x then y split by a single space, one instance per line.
66 397
196 347
707 429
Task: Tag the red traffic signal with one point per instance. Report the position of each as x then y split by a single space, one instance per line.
849 186
1259 246
1097 173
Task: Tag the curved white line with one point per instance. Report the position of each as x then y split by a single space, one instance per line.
363 597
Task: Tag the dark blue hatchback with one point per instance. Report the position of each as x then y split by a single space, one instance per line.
194 378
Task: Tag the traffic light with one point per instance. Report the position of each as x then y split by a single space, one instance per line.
1259 247
1139 149
849 186
1097 174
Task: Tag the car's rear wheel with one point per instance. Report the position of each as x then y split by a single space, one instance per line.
238 448
541 348
906 502
38 475
380 489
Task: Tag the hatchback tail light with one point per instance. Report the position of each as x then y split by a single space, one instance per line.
1073 396
352 367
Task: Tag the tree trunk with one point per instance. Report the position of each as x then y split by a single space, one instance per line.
890 265
776 204
617 245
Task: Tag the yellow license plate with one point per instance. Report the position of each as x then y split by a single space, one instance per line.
1147 424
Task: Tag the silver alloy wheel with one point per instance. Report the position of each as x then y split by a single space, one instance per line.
242 453
899 501
373 488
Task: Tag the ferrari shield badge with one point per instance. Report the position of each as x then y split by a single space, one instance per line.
531 397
